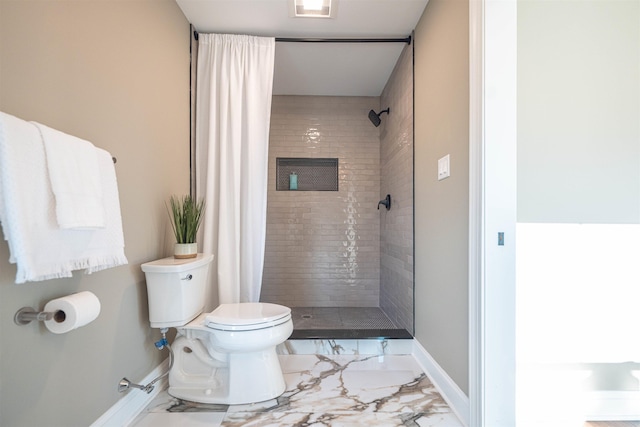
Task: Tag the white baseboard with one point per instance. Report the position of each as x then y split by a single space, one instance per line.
125 410
612 405
452 394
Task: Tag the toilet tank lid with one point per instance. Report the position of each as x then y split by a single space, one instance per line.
173 265
247 313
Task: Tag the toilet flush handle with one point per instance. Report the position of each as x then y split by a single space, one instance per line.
187 277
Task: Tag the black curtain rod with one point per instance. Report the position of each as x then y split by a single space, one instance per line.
406 40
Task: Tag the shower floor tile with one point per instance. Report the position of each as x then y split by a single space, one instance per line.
324 391
340 318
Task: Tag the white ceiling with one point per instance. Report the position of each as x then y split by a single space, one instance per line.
338 69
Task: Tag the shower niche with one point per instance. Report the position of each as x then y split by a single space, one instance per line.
306 174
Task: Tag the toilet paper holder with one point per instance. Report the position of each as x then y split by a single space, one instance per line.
26 315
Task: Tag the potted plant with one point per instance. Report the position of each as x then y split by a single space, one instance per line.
186 217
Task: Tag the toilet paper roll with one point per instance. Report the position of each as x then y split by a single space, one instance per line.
72 312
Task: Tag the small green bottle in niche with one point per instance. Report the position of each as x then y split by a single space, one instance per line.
293 181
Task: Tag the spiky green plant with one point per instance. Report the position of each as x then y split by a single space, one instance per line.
186 216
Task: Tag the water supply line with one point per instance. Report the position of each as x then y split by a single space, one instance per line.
125 384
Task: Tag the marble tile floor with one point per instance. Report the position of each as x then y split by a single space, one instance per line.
323 390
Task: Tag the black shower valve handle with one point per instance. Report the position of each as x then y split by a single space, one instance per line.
386 202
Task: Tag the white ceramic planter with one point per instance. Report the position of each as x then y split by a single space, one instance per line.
185 250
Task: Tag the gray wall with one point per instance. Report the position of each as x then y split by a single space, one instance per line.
322 247
116 74
396 179
442 207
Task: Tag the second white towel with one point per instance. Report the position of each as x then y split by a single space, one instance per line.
75 179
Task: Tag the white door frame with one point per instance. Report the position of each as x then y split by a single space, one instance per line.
492 192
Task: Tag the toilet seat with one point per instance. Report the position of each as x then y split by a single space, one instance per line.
247 316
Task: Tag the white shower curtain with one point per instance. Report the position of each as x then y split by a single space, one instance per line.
233 110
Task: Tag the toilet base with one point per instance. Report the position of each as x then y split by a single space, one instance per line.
240 379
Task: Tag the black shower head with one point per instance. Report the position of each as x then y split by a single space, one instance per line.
375 117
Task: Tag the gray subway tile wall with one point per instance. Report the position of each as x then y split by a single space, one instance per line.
396 174
323 247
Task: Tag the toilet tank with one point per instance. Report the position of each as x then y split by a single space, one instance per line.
176 289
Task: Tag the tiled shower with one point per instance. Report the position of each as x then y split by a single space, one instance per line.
336 248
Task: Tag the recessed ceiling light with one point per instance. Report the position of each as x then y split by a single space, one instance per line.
314 8
313 4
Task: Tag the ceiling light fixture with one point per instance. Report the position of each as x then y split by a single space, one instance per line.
312 4
314 8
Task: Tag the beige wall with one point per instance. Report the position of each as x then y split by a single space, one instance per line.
322 247
396 179
115 73
441 207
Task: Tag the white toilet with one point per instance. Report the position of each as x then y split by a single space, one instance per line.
227 356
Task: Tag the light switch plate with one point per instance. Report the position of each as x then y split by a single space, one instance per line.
443 168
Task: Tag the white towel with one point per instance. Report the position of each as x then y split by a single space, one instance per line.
37 245
75 179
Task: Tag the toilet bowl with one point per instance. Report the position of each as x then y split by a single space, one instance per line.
221 358
227 356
